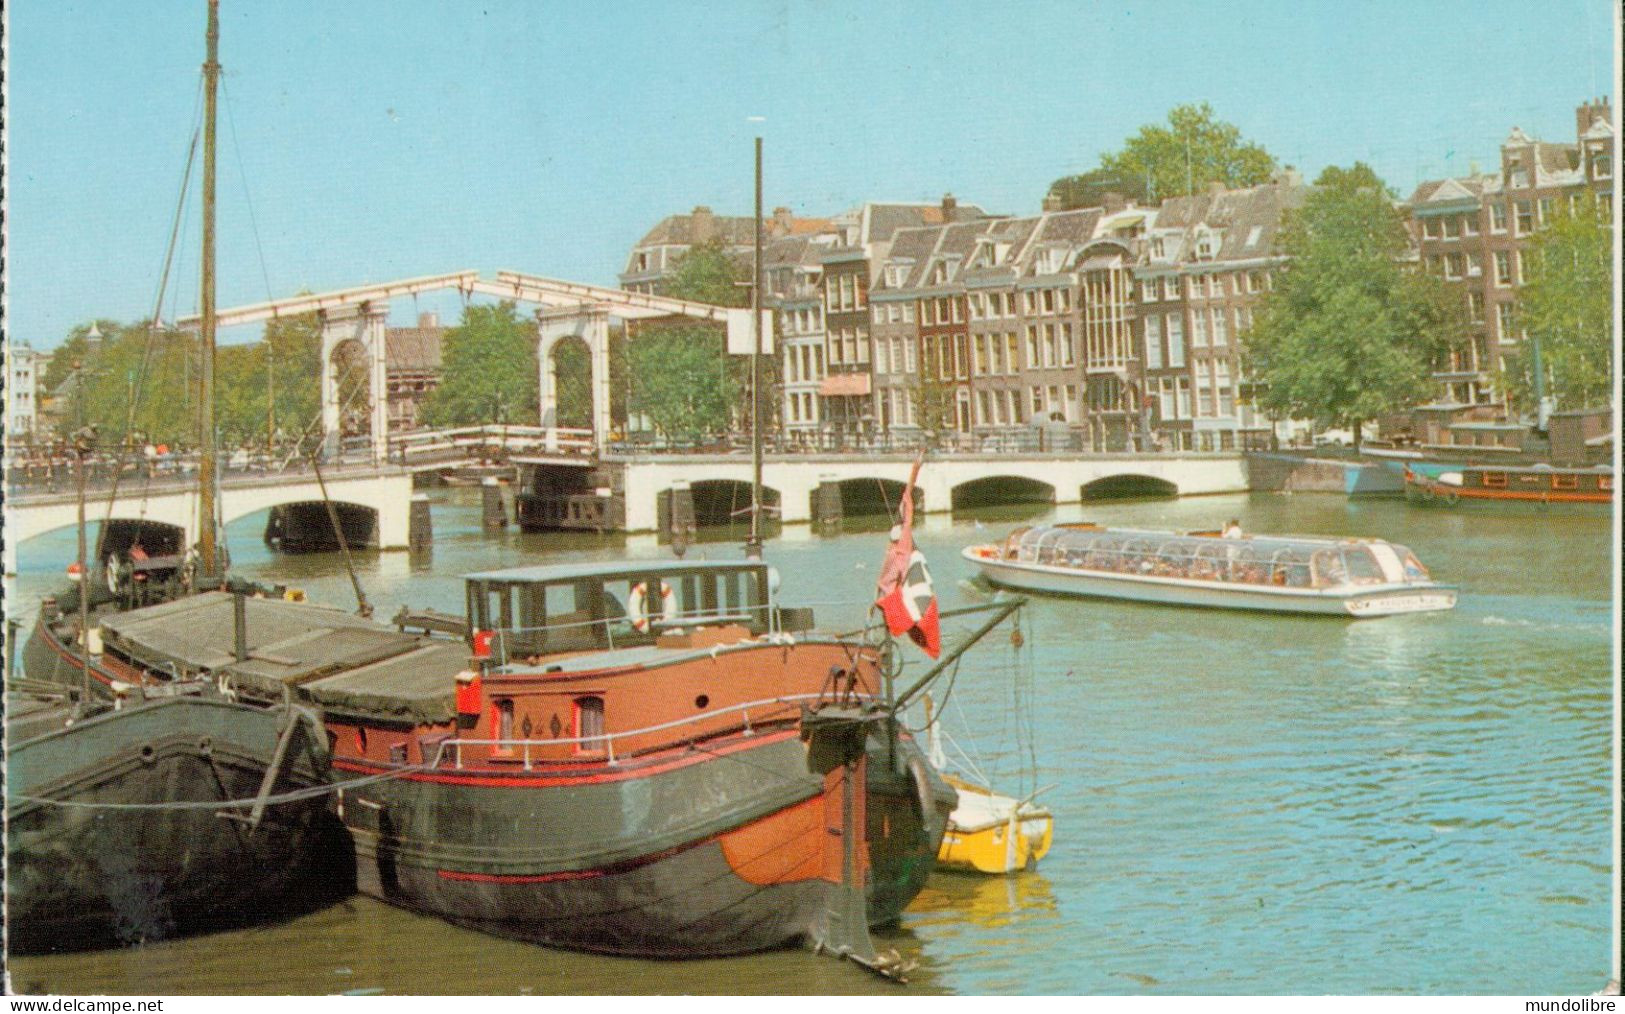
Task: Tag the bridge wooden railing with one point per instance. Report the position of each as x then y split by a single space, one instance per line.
425 447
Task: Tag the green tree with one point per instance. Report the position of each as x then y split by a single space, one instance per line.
1089 190
1348 332
489 370
681 381
1565 304
572 363
680 375
1193 150
708 273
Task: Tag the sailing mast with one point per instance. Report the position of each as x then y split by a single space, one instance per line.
753 547
208 562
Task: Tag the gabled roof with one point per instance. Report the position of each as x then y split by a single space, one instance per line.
413 348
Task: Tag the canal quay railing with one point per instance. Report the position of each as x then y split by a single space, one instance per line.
606 740
47 480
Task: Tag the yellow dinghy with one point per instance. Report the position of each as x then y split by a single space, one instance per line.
991 833
987 832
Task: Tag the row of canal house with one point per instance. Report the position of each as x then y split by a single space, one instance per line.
1100 328
1474 230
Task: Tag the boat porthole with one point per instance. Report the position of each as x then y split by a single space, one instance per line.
148 754
205 746
701 701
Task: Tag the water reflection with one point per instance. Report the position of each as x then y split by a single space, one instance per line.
1245 803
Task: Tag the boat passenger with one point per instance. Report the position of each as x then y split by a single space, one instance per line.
1232 529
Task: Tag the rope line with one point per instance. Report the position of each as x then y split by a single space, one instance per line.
292 796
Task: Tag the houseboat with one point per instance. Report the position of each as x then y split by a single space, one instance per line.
1286 574
1535 486
648 759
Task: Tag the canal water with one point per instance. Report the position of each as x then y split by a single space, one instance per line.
1243 804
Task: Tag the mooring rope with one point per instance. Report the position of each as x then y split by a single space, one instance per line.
292 796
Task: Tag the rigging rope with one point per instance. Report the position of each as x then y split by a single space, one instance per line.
292 796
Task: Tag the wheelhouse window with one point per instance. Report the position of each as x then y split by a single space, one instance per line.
1495 480
1565 482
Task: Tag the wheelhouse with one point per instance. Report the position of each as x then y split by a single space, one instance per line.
1273 560
594 607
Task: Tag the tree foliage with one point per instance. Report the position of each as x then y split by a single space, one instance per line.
1565 304
489 370
681 377
681 380
1193 150
708 273
1089 190
1349 332
142 383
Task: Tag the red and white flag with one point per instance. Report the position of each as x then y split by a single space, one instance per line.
906 597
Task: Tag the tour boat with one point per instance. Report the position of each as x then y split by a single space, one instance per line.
1535 486
1290 574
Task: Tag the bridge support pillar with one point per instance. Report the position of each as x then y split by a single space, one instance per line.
364 325
493 513
828 507
420 526
590 326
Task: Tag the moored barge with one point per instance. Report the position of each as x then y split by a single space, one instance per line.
1526 487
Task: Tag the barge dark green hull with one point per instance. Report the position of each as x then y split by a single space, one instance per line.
80 874
664 859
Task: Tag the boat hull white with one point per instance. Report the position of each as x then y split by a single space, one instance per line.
1358 602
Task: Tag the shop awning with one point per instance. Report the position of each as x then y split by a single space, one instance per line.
845 384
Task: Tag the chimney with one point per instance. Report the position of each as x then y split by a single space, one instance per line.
1589 111
782 222
428 319
1052 202
701 225
948 206
1112 202
1288 177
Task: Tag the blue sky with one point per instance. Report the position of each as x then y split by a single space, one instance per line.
377 140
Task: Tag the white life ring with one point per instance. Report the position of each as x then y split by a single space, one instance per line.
639 615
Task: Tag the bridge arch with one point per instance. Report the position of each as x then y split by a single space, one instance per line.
874 497
719 502
1127 486
999 491
305 526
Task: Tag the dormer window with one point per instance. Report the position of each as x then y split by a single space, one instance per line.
1254 235
1205 246
1159 249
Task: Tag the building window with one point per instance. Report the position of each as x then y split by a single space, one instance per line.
1154 343
1432 228
1469 224
1176 339
1220 335
1475 307
1498 217
1505 329
1170 287
1503 268
1525 217
1453 264
1199 329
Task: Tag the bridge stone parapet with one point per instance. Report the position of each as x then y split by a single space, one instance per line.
386 491
795 478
